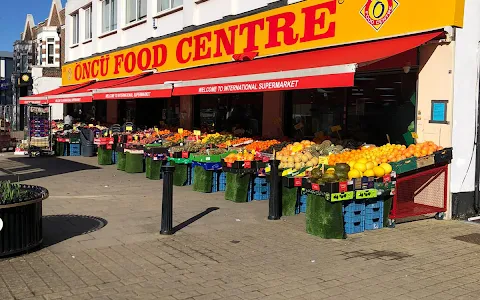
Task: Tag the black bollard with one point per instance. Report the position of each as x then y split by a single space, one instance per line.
275 200
167 201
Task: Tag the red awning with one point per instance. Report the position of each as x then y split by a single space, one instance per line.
325 68
85 93
42 98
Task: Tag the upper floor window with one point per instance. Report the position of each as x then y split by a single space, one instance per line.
40 53
168 4
50 51
75 27
88 23
109 15
136 10
23 63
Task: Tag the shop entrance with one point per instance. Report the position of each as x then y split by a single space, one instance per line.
381 107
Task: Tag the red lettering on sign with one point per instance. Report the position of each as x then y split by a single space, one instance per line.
130 62
202 50
316 21
289 36
180 50
95 68
159 55
86 70
118 62
144 59
225 42
251 28
78 72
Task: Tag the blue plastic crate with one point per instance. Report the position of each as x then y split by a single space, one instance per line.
373 223
303 203
354 208
355 224
261 196
374 209
222 182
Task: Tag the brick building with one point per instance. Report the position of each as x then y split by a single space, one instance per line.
39 54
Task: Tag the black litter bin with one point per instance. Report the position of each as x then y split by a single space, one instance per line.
86 139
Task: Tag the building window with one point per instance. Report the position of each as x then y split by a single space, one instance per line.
23 63
76 26
50 51
40 54
88 23
136 10
168 4
109 17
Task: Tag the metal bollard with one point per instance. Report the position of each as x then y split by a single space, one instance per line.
275 200
167 201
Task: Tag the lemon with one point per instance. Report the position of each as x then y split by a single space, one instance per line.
352 163
379 171
370 165
360 167
387 168
362 160
354 174
369 173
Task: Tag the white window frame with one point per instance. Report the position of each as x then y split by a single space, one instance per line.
171 5
110 23
51 41
88 23
75 28
138 12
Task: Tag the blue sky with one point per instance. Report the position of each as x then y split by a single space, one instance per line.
12 18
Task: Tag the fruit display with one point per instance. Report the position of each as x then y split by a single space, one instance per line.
241 156
178 138
235 143
261 145
214 151
216 138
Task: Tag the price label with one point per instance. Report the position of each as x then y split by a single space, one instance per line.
387 178
265 159
129 128
207 158
171 154
342 187
156 129
366 194
229 165
180 130
184 154
136 137
90 125
197 132
336 128
336 197
247 165
297 181
414 135
109 147
315 187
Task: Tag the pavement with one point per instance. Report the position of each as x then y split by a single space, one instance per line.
102 241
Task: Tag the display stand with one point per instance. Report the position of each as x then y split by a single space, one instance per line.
39 128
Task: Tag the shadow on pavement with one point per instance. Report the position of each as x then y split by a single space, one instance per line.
193 219
25 168
58 228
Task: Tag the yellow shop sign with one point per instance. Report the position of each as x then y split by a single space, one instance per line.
302 26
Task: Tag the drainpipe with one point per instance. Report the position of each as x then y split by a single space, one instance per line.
477 139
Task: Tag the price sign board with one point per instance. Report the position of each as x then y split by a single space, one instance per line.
366 194
336 197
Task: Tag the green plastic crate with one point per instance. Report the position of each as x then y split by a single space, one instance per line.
404 166
180 175
153 168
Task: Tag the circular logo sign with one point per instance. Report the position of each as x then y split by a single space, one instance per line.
1 224
25 78
377 12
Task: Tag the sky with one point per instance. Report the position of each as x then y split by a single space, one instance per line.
12 18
